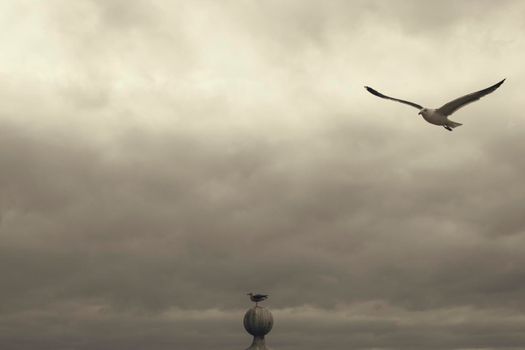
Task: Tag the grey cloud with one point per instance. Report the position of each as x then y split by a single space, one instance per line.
161 173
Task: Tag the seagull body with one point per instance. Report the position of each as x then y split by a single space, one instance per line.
433 116
439 116
256 298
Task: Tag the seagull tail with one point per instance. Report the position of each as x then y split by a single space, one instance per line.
453 124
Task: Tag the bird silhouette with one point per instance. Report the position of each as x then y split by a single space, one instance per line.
439 116
256 298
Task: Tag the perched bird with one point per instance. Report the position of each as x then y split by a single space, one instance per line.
256 298
440 115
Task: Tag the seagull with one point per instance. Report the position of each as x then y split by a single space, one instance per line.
440 115
256 298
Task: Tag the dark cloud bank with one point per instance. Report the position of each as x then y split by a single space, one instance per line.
160 160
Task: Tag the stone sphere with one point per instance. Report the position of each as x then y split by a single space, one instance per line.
258 321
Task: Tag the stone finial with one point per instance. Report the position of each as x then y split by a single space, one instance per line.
258 321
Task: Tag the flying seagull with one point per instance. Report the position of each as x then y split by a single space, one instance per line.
256 298
440 115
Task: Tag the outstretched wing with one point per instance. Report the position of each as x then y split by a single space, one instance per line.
378 94
452 106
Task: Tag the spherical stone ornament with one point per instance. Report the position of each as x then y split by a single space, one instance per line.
258 321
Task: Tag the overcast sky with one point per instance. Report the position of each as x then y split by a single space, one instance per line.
160 159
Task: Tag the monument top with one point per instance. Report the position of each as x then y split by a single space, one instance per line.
258 321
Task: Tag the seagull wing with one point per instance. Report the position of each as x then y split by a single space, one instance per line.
452 106
378 94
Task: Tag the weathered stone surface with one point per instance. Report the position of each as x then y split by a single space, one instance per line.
258 321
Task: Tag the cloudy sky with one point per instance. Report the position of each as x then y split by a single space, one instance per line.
159 159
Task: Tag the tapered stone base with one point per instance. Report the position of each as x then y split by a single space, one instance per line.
258 344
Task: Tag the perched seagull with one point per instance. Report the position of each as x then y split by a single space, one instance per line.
440 115
256 298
